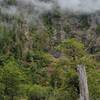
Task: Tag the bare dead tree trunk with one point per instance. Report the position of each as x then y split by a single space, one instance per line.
84 93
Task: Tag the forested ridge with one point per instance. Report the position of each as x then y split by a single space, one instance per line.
39 54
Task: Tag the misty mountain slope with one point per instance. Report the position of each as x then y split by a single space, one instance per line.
13 11
41 44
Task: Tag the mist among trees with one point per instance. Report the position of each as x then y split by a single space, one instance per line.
49 50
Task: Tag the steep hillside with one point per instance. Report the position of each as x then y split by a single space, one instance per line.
41 47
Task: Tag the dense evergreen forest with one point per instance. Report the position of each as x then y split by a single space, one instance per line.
39 54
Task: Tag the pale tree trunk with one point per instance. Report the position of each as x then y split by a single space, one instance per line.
84 93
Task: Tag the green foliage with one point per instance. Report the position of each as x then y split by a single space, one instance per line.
40 40
38 92
40 75
98 30
6 38
10 79
48 23
75 52
67 29
11 2
39 56
38 67
83 20
72 48
94 85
